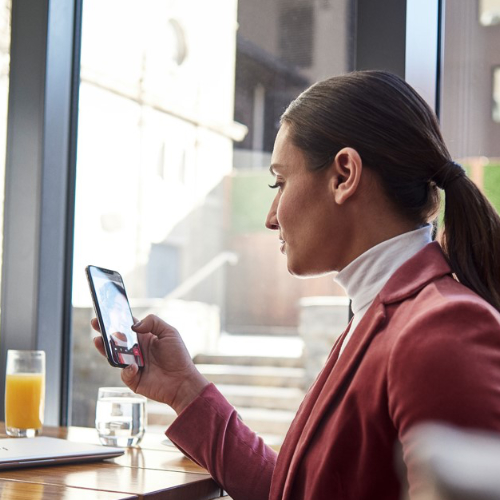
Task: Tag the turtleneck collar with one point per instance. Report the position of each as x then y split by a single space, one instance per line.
366 275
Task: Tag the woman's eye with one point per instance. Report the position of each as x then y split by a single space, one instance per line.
277 184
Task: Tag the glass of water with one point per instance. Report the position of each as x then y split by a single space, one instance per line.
120 417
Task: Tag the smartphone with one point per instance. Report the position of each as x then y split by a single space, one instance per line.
114 317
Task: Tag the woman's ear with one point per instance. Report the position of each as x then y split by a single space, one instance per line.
347 168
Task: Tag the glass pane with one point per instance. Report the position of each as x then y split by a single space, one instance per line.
471 91
495 112
5 7
177 124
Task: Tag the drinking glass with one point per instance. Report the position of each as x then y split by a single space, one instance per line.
120 417
24 393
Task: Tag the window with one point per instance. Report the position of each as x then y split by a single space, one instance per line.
179 107
178 115
469 116
297 19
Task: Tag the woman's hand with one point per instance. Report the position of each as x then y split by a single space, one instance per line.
169 374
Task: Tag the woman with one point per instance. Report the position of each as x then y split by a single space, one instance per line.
116 318
359 161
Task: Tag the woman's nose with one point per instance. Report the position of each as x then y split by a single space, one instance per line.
272 219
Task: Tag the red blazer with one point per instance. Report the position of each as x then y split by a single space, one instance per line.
428 348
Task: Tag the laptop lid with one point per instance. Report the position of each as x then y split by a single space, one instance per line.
31 452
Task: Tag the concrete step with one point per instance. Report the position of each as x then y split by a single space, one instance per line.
242 359
267 376
261 376
267 331
260 345
270 398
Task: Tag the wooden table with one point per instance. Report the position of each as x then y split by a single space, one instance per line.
154 470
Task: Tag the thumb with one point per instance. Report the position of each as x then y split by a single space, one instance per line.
129 374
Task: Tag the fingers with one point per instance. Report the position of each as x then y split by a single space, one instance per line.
155 325
95 324
130 376
99 344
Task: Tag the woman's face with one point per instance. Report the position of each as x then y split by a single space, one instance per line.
304 212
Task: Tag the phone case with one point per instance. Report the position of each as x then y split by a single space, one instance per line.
115 351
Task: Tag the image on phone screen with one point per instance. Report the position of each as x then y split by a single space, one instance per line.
116 316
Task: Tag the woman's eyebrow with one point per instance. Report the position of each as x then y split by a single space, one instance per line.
273 168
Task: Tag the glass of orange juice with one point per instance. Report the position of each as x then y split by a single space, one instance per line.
24 393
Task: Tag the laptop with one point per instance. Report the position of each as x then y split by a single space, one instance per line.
32 452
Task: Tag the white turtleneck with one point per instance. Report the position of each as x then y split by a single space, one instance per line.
366 275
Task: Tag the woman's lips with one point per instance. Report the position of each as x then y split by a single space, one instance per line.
282 246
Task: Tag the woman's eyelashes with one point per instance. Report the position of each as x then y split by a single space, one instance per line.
277 184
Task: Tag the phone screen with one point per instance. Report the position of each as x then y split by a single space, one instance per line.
114 316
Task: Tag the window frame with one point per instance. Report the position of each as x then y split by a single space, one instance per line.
39 191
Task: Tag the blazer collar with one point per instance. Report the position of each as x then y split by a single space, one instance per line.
427 265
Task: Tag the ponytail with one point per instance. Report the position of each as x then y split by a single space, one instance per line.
471 238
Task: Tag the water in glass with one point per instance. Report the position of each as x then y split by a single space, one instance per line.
120 417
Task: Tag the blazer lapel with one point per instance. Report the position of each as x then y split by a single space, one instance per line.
330 385
289 447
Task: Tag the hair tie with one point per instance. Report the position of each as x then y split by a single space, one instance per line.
449 172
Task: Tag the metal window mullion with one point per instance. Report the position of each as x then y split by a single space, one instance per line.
423 48
404 37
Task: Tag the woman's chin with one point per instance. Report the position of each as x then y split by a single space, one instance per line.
304 271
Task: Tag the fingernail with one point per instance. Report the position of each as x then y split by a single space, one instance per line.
135 325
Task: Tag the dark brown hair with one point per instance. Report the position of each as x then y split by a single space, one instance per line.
397 135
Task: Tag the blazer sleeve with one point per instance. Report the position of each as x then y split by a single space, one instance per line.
445 367
210 432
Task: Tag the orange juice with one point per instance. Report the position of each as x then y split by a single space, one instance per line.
24 400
